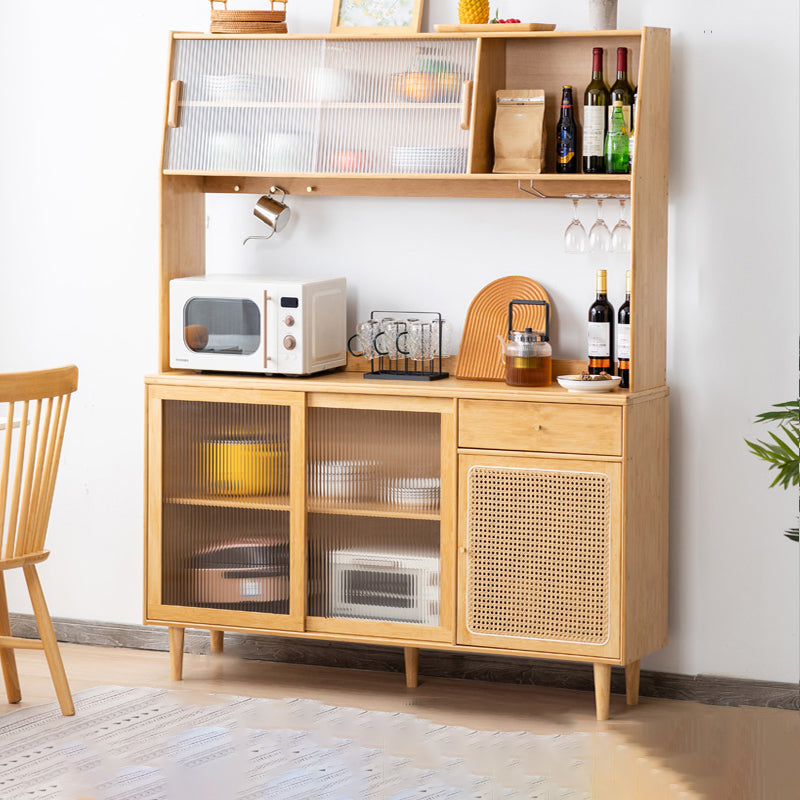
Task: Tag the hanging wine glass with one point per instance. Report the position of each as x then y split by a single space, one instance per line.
599 235
621 234
575 234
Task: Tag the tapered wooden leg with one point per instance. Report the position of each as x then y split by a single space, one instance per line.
176 653
602 689
7 657
49 641
632 683
412 666
216 641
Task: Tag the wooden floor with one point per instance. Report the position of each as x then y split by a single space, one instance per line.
659 749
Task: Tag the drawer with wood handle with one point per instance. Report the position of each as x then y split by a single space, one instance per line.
542 427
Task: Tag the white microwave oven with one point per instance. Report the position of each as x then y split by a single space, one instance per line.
258 324
393 586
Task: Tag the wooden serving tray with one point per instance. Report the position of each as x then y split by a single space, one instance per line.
496 27
479 356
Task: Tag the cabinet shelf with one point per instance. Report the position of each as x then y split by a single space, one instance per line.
371 510
325 106
264 502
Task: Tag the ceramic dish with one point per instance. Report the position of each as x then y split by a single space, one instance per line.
573 383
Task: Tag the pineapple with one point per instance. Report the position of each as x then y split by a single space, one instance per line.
473 12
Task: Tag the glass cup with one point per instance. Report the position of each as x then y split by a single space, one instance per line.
365 338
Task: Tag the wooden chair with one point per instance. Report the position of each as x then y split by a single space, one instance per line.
31 437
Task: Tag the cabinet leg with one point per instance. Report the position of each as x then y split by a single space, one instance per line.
216 641
412 666
176 653
632 683
602 689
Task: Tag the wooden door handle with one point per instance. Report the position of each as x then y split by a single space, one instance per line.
466 106
174 112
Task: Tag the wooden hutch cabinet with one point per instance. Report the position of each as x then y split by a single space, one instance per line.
458 515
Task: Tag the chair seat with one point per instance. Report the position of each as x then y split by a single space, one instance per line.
21 561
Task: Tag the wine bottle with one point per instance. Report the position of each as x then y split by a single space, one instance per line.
622 90
617 149
624 335
595 105
601 330
566 135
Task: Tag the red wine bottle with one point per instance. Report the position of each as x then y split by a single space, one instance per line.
601 330
595 117
566 135
624 336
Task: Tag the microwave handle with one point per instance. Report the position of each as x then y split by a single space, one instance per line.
264 331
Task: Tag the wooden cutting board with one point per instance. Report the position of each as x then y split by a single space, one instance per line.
497 27
479 355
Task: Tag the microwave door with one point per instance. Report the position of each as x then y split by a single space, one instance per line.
223 329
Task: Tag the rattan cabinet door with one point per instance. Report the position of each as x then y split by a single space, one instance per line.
539 554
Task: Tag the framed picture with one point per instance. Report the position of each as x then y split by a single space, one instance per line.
376 16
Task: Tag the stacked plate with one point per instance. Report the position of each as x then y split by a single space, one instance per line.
424 158
422 493
345 479
239 88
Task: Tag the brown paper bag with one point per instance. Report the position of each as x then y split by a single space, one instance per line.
519 134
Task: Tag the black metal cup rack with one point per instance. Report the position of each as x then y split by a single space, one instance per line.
404 368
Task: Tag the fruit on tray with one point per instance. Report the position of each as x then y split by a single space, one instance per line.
424 87
495 20
473 12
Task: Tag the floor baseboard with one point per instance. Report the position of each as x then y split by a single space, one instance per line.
709 689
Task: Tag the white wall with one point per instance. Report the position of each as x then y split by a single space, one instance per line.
82 104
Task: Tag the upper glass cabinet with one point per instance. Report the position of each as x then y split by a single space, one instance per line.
320 106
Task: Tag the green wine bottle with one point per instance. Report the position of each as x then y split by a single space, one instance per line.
595 105
622 90
617 143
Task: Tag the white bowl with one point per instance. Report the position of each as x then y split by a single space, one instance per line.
573 383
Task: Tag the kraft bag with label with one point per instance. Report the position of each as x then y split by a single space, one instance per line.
519 134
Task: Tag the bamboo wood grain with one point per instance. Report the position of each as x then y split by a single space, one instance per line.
353 383
476 183
395 632
632 683
48 640
182 244
649 214
448 460
602 690
544 427
217 641
174 103
298 518
176 637
646 544
11 643
8 661
411 657
466 109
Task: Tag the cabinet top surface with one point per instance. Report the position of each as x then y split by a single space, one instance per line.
354 383
427 35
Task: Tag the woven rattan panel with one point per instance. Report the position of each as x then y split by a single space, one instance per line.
538 544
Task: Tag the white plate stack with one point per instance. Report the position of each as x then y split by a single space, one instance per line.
429 159
345 479
421 493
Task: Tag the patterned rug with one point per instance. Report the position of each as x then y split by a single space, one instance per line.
149 744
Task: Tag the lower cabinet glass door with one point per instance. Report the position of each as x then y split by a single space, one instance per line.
540 554
376 489
224 552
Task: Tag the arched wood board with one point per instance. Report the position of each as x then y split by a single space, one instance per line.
479 355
